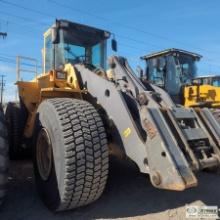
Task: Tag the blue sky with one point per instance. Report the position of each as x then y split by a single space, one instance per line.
141 27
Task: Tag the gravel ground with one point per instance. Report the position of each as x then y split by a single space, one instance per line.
128 195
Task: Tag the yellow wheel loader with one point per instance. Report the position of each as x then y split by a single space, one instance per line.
78 112
206 91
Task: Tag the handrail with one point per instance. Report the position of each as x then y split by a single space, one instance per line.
19 68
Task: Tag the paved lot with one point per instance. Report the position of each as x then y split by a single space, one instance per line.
128 195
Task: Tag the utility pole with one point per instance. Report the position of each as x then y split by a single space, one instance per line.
2 85
2 82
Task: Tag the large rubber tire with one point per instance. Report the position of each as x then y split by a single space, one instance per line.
79 169
16 119
3 157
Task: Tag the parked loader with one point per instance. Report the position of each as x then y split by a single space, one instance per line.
208 90
175 71
79 112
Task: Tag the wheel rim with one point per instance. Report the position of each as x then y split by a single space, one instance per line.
44 154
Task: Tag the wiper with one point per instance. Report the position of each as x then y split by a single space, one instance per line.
77 58
68 50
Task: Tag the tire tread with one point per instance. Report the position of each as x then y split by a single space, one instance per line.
86 151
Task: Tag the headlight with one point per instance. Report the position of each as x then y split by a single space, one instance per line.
61 75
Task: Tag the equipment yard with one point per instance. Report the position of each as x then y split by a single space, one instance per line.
128 195
92 130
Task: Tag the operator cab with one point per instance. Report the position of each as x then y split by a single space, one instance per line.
212 80
68 42
171 70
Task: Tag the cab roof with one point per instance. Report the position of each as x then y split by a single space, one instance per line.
170 51
82 34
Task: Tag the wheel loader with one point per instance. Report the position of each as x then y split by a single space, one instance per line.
208 91
175 71
79 112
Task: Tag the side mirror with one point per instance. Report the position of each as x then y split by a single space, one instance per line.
55 35
114 45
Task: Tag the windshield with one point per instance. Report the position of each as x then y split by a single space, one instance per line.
180 71
68 52
216 82
82 49
71 53
156 71
75 49
213 81
173 76
187 66
171 72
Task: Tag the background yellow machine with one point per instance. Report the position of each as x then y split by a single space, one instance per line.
175 71
76 113
204 91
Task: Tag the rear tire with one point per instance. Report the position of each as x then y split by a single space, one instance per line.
16 119
3 157
74 171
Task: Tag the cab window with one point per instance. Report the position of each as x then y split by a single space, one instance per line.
216 82
48 53
156 71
